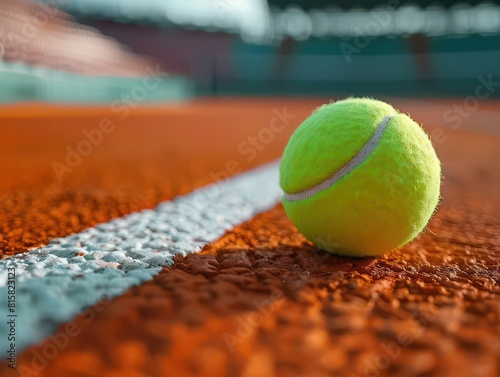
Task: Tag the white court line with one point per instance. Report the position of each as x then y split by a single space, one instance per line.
58 281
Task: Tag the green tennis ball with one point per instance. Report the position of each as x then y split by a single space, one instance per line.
360 179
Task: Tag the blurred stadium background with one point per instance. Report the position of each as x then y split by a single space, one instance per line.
93 51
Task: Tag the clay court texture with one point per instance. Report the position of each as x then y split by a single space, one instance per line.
152 243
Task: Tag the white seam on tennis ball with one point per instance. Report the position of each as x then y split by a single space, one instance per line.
347 168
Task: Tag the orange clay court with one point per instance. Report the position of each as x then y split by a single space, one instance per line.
260 301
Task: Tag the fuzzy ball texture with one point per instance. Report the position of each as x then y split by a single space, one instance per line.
382 202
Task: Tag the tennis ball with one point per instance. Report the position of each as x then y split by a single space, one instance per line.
360 179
